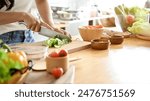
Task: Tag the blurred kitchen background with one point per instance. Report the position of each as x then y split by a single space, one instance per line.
70 14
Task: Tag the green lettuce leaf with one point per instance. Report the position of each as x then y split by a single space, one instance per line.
140 27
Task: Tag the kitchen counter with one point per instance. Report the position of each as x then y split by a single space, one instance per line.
125 63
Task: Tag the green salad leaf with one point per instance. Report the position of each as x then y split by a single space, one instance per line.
140 27
56 42
140 24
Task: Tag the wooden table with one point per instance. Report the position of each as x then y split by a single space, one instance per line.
125 63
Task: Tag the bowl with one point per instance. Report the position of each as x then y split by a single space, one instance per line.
100 44
53 62
116 39
89 34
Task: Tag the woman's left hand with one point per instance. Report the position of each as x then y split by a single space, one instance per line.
62 32
55 29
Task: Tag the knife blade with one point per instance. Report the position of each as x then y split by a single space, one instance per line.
50 33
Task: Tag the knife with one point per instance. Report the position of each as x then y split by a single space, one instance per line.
51 33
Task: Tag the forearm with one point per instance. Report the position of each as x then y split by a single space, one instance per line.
10 17
45 11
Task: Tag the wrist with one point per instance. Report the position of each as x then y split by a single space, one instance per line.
22 16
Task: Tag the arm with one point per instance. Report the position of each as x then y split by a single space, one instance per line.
46 14
45 11
10 17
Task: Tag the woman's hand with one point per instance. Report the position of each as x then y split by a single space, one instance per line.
31 22
35 24
62 31
52 27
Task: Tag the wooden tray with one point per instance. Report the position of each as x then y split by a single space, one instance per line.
143 37
43 77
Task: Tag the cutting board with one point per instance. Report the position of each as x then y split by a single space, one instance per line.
143 37
43 77
74 46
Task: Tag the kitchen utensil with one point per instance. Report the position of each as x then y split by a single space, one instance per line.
42 67
32 52
90 34
100 44
50 33
53 62
117 39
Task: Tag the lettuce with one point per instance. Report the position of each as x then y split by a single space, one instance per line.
139 13
56 42
141 22
140 27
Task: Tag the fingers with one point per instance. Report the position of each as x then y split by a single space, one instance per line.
31 22
62 32
58 30
36 26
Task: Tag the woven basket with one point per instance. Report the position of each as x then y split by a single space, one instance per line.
90 34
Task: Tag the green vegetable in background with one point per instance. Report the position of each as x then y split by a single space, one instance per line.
140 27
125 14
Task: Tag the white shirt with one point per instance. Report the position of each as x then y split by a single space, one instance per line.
19 6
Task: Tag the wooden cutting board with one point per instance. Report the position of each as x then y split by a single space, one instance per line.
43 77
75 45
143 37
37 48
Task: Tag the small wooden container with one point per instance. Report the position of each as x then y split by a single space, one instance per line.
117 39
100 44
54 62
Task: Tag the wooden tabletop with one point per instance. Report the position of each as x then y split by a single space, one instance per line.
125 63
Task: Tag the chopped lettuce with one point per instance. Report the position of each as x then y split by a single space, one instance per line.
56 42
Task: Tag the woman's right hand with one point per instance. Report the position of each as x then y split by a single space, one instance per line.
32 23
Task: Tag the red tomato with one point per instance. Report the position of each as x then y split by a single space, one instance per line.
57 72
54 54
63 52
130 19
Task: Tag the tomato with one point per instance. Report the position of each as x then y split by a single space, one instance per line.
130 19
54 54
57 72
63 52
